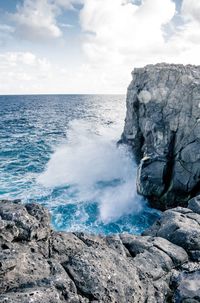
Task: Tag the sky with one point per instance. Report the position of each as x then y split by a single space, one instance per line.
91 46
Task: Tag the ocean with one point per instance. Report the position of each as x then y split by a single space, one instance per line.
61 151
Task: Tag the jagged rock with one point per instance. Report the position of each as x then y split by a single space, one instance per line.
105 276
180 226
137 245
29 221
76 267
163 127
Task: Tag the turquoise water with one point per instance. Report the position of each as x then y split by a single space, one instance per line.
60 151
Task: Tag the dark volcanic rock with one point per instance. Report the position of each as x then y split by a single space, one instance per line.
30 221
40 265
180 226
163 127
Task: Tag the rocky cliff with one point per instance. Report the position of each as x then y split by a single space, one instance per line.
163 127
40 265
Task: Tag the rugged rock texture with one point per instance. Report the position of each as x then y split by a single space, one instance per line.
163 127
180 226
40 265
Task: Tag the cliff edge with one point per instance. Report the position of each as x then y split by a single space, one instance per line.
163 127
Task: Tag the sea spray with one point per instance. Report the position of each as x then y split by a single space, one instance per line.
95 169
73 168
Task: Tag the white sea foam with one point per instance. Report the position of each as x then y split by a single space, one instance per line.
91 163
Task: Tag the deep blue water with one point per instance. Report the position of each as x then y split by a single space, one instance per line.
60 151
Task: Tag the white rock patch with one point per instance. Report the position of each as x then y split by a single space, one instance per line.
144 96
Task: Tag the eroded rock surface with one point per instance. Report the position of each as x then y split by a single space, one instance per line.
180 226
40 265
163 127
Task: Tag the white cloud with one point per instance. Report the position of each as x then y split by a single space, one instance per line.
117 35
185 43
191 10
36 20
120 35
27 73
122 29
190 34
22 72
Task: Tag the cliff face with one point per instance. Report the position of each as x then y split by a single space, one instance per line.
163 127
39 265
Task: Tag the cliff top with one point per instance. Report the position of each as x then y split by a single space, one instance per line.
169 66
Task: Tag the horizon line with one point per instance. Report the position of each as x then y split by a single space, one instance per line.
64 94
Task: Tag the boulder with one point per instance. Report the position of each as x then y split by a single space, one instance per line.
137 245
29 221
180 226
163 127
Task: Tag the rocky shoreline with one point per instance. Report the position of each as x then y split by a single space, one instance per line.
40 265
